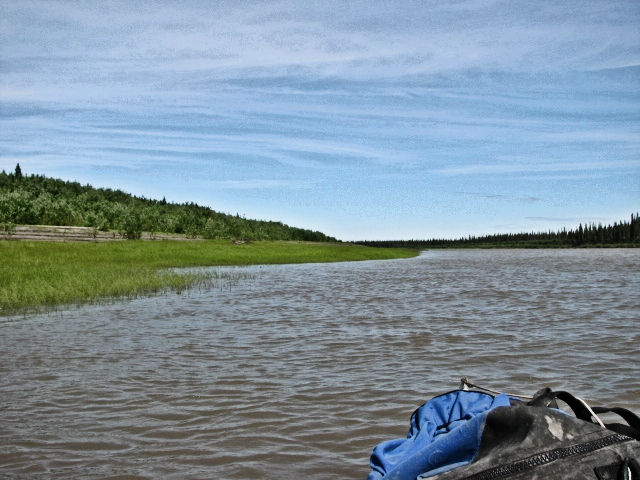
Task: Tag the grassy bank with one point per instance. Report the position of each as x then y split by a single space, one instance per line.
45 274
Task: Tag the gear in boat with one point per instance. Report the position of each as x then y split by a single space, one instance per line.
482 434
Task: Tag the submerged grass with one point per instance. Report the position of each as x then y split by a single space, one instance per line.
34 275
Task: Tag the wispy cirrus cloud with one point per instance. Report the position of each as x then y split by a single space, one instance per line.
260 183
500 196
224 38
567 220
381 109
540 168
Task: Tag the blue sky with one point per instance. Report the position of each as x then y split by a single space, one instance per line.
364 120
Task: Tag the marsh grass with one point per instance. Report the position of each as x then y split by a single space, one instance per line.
36 275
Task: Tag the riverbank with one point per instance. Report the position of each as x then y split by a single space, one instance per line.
35 275
63 233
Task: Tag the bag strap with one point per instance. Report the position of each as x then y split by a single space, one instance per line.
631 418
547 398
632 429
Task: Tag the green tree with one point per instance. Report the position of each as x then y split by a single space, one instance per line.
130 224
15 207
214 228
150 220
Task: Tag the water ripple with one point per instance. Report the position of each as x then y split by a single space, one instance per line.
297 371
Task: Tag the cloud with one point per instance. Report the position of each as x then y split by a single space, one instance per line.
261 183
126 43
482 195
566 219
540 167
499 196
530 199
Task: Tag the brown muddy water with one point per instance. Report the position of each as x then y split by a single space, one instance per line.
300 370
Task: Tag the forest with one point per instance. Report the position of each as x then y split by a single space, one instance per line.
621 234
39 200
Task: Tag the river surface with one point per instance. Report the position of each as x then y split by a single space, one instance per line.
298 371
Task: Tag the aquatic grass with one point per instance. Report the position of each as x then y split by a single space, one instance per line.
34 275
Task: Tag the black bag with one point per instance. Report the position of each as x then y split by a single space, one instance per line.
535 440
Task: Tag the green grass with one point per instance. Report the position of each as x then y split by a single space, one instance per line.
34 275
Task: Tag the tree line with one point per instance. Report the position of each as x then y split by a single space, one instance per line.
40 200
623 233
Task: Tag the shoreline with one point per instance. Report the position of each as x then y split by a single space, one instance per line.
64 233
39 275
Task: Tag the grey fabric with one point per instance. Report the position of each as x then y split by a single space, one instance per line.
524 442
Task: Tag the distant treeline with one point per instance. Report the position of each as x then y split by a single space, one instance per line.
619 234
39 200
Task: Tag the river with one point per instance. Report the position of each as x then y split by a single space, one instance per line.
298 371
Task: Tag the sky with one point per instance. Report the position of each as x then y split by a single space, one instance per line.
361 119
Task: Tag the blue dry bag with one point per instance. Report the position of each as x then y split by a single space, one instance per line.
427 451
